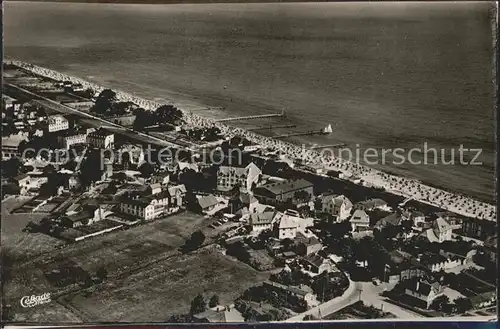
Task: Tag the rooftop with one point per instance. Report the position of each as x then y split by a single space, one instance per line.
373 203
360 215
287 186
262 218
393 219
207 201
288 221
338 200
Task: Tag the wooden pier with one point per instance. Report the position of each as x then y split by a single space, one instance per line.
328 146
272 127
250 117
305 133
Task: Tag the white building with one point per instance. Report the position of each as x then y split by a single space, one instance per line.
440 231
262 221
74 139
359 220
57 123
158 203
31 181
288 226
338 206
10 103
228 177
101 139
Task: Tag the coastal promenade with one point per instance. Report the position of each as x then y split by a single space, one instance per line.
460 204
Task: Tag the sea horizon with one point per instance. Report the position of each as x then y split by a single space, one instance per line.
357 115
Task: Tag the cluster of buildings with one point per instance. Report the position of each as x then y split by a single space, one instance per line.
286 209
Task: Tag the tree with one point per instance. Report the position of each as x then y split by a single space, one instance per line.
441 303
265 235
168 114
198 305
302 195
104 101
238 251
287 244
309 317
146 169
90 169
462 305
10 168
214 301
194 242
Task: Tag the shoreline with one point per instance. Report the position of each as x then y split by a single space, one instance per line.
412 188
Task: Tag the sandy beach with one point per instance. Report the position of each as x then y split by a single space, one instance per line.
410 188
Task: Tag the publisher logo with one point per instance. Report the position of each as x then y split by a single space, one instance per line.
30 301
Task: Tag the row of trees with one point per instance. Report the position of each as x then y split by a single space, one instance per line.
107 104
163 115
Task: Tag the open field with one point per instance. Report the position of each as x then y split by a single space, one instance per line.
165 288
17 244
142 258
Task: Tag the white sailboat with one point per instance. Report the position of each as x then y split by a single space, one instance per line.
328 129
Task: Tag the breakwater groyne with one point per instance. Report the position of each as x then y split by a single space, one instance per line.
415 189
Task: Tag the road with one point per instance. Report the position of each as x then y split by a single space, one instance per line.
94 120
367 292
350 296
371 295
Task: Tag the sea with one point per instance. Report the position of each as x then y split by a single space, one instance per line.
386 76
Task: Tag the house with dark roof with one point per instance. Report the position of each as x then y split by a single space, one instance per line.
86 215
101 139
444 260
317 264
484 300
393 219
373 204
262 221
242 203
402 266
423 291
207 203
305 246
302 292
148 205
281 192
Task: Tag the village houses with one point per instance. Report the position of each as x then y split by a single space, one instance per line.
159 202
359 220
338 206
423 291
262 221
282 192
228 177
57 123
101 139
288 226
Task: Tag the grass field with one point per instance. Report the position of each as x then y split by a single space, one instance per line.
148 278
165 288
17 244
